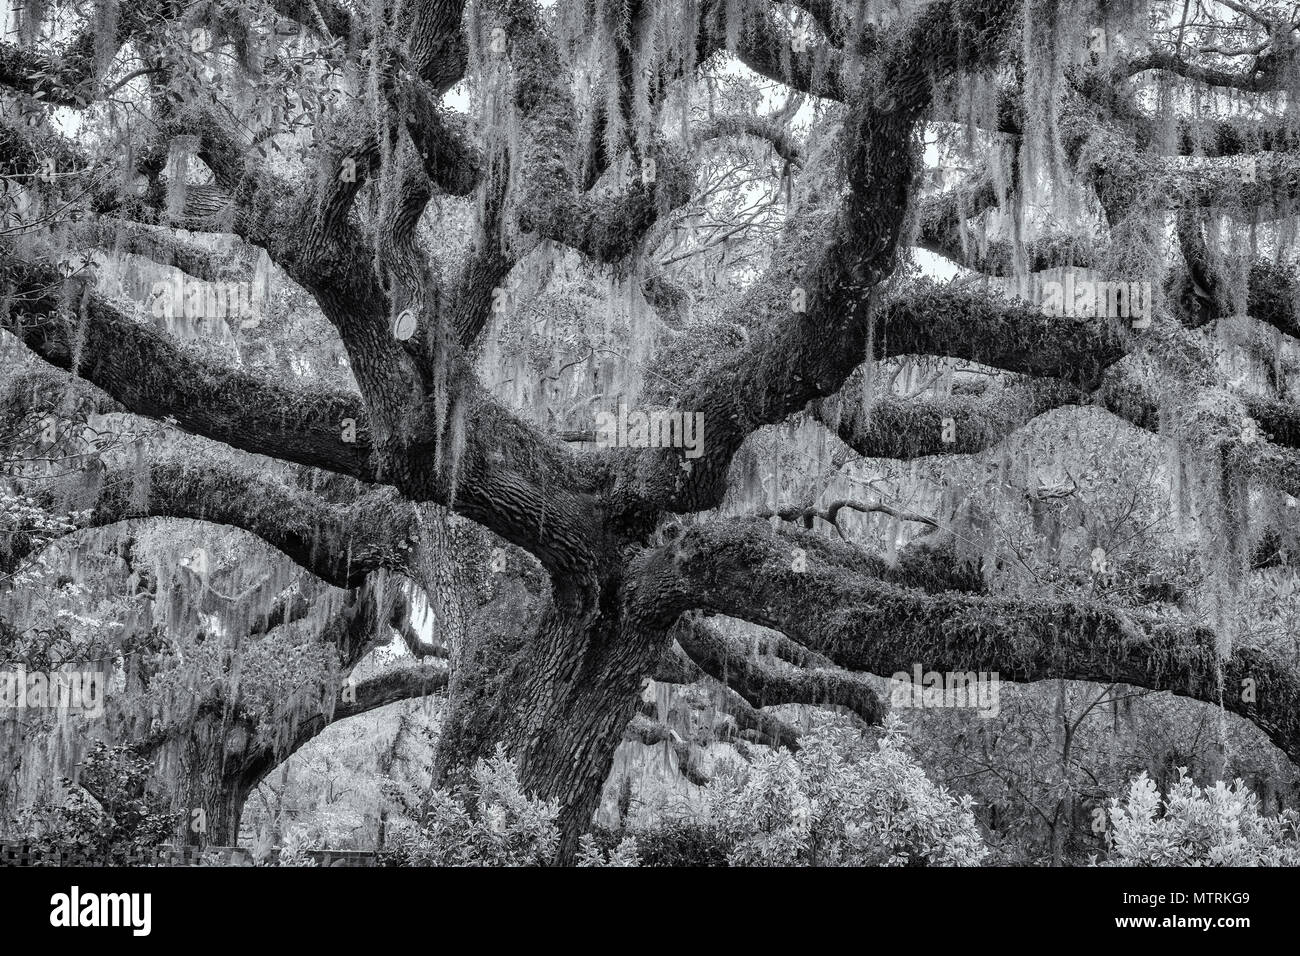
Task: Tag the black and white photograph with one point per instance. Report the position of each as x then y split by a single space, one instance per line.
781 434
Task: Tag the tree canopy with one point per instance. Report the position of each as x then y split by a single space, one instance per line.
540 350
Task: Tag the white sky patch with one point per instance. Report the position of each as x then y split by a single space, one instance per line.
423 618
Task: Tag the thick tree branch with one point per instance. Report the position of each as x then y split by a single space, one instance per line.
806 355
151 376
767 683
866 624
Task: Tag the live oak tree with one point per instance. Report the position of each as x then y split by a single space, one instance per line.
1149 144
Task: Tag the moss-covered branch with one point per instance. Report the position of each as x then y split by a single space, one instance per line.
339 543
816 305
830 603
151 376
765 683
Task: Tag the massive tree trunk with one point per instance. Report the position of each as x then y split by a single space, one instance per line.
558 687
212 792
576 695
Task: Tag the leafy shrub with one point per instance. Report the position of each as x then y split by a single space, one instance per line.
623 854
683 842
107 812
492 823
293 849
839 802
1194 826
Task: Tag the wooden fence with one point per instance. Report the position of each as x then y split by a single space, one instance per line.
24 854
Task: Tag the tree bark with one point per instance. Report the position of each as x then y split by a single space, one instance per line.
212 794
